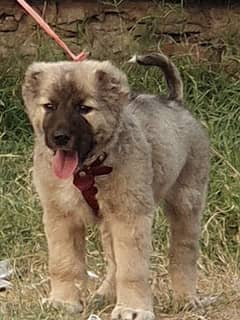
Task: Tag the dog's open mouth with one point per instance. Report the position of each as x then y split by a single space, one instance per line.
65 163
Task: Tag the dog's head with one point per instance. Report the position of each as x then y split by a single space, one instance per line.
75 106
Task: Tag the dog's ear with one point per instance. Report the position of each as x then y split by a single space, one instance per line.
31 84
112 86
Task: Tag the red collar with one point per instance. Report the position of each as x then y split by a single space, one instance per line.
84 180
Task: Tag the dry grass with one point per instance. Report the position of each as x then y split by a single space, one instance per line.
31 287
214 98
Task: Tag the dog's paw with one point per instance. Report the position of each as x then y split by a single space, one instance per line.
106 292
70 307
123 313
97 302
195 303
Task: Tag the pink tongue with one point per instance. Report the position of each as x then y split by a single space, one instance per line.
64 163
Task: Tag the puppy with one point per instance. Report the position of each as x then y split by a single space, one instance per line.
103 155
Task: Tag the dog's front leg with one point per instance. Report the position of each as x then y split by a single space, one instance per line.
107 290
131 234
66 245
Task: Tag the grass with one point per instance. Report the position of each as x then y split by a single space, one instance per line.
214 98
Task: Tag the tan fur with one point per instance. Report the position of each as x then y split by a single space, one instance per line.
157 151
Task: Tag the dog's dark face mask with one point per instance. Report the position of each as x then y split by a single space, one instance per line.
66 130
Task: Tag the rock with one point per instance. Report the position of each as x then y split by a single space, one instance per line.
8 23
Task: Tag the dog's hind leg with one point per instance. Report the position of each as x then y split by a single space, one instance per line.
184 205
66 242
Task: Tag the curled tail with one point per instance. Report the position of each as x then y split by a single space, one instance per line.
170 71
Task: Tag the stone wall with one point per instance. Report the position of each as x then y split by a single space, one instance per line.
105 29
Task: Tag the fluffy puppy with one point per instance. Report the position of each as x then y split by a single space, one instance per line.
107 156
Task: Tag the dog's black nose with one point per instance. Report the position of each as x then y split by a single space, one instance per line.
61 137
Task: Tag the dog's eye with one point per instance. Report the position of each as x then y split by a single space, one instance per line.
82 109
49 106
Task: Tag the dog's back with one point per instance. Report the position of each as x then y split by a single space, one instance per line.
172 131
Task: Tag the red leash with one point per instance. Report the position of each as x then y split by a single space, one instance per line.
84 180
50 32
